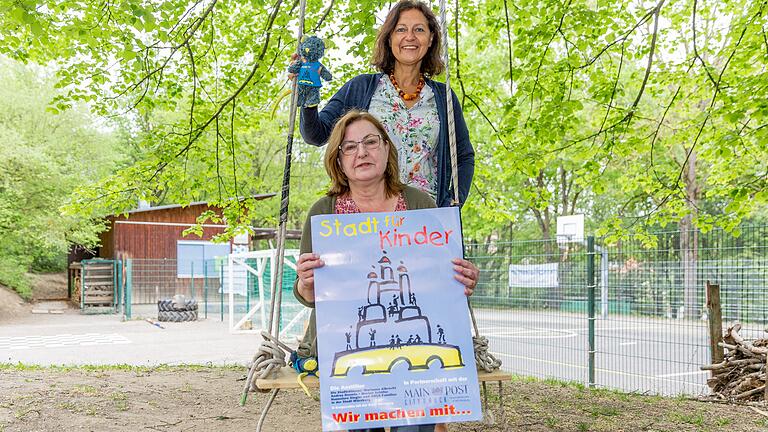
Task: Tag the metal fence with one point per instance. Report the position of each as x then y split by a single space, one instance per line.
627 316
649 329
150 280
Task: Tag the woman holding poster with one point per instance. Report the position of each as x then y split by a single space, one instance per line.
362 164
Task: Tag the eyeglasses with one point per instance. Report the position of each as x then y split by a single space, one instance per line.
370 142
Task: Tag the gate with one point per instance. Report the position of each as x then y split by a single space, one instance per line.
250 276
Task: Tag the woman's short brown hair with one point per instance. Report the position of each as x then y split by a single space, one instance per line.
332 161
432 63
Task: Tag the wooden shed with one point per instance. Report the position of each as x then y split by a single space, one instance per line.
163 260
155 232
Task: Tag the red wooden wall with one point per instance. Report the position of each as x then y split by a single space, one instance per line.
156 233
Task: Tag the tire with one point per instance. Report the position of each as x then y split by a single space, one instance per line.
164 305
189 305
176 316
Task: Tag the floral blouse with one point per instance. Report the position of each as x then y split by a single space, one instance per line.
414 132
346 205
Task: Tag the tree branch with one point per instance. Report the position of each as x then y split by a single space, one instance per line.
323 17
509 47
696 54
543 56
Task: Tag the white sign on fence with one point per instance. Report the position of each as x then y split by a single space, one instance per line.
533 275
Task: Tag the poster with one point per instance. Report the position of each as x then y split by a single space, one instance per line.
533 275
394 332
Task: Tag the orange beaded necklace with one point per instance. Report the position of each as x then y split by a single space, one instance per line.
407 96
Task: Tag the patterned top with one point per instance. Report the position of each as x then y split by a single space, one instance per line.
414 132
346 205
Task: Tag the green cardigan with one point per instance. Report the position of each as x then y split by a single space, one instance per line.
414 200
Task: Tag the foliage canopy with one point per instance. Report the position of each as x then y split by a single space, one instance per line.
629 111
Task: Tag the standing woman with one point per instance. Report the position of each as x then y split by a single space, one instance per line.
408 102
362 165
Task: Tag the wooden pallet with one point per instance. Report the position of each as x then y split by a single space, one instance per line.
286 379
92 285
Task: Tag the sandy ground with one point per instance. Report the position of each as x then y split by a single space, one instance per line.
12 307
206 399
49 286
166 399
45 287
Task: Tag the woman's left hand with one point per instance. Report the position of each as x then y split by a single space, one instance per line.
466 273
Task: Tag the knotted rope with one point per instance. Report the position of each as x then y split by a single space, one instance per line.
270 356
484 359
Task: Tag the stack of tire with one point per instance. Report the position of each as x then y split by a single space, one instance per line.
177 309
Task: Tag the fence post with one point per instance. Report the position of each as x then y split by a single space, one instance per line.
128 287
591 307
192 280
205 288
117 284
715 323
221 292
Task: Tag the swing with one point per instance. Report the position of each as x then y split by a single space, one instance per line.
269 371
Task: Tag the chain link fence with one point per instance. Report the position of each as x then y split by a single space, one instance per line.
649 328
208 282
629 316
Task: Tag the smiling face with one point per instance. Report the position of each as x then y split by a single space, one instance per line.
364 165
410 40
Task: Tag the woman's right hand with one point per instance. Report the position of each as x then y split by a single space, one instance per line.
305 270
294 57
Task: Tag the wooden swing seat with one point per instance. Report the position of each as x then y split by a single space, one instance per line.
286 379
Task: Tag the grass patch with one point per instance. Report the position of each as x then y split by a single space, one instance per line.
13 274
68 406
696 419
551 422
119 396
22 413
605 411
723 422
85 389
121 405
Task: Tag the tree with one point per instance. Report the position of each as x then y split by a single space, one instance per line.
45 156
599 107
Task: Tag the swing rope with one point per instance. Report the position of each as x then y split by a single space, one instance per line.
270 357
484 359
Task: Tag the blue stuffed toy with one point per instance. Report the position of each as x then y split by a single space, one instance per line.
309 70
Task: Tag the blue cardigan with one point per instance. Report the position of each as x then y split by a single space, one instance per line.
357 93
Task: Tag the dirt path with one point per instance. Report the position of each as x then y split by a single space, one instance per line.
45 287
206 399
49 286
12 307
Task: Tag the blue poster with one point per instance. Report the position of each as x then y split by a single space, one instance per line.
394 332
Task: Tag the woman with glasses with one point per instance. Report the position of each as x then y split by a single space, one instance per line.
363 166
410 105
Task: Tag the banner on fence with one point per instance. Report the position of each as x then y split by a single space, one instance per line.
394 338
533 275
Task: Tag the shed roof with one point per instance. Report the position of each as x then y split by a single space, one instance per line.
196 203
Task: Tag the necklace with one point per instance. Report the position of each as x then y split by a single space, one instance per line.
407 96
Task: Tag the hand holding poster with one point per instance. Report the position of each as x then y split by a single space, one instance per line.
393 327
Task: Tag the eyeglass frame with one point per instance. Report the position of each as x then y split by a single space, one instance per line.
380 140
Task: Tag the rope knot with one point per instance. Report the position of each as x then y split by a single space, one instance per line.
484 359
269 358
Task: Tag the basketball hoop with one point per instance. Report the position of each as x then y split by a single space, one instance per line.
570 229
